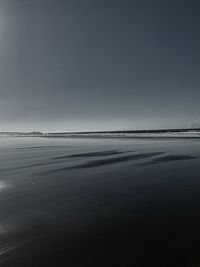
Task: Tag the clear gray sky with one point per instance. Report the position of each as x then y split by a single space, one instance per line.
99 64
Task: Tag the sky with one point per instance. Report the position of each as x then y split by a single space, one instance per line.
68 65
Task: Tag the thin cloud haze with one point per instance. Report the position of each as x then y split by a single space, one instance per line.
74 65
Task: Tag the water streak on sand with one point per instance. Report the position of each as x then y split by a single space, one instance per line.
168 158
62 159
98 163
92 154
39 147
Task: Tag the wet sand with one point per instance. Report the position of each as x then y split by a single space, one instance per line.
99 202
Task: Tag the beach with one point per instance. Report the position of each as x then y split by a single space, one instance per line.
99 201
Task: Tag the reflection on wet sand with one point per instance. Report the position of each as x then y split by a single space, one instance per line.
3 185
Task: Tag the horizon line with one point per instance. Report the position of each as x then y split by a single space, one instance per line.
103 131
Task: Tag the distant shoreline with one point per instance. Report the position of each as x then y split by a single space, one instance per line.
160 133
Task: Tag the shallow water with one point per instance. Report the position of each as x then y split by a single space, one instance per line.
99 202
